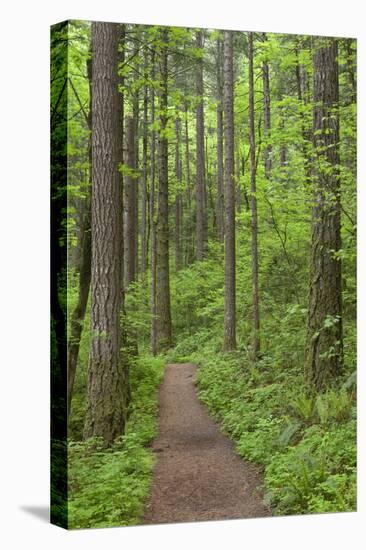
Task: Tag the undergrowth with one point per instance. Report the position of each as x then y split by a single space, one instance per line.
306 445
108 487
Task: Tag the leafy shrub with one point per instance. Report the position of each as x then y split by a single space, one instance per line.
108 487
306 444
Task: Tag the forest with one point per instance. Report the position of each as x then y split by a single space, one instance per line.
203 201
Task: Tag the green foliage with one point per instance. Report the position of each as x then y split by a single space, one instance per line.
108 487
306 444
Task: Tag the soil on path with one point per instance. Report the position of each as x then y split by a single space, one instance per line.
198 476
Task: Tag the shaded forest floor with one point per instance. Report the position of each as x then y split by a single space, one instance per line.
198 475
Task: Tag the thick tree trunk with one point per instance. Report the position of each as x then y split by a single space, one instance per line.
230 264
106 410
163 314
253 200
324 350
220 222
201 215
130 199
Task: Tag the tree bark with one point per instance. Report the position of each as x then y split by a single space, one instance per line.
107 401
189 233
78 315
130 199
163 313
153 335
253 200
220 223
178 199
144 224
324 349
201 219
230 262
302 95
266 117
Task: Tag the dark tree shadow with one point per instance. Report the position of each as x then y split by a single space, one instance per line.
40 512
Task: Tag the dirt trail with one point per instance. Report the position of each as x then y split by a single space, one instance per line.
198 475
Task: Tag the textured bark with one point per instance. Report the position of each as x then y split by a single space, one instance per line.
266 117
106 409
220 221
130 199
178 200
163 314
136 114
230 291
189 224
144 224
152 218
324 350
201 215
78 315
253 200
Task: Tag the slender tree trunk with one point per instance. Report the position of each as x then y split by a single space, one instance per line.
136 113
238 199
152 218
201 215
324 350
130 199
106 409
230 262
189 235
351 61
306 132
77 319
283 150
253 200
266 117
178 200
144 186
220 223
163 327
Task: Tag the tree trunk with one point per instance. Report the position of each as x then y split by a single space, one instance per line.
106 410
152 218
230 264
163 324
324 350
189 234
266 117
130 199
253 200
220 223
178 200
302 96
201 220
144 186
136 111
77 318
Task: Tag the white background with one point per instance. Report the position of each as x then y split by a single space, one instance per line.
24 272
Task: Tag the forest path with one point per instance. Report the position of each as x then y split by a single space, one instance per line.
198 475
